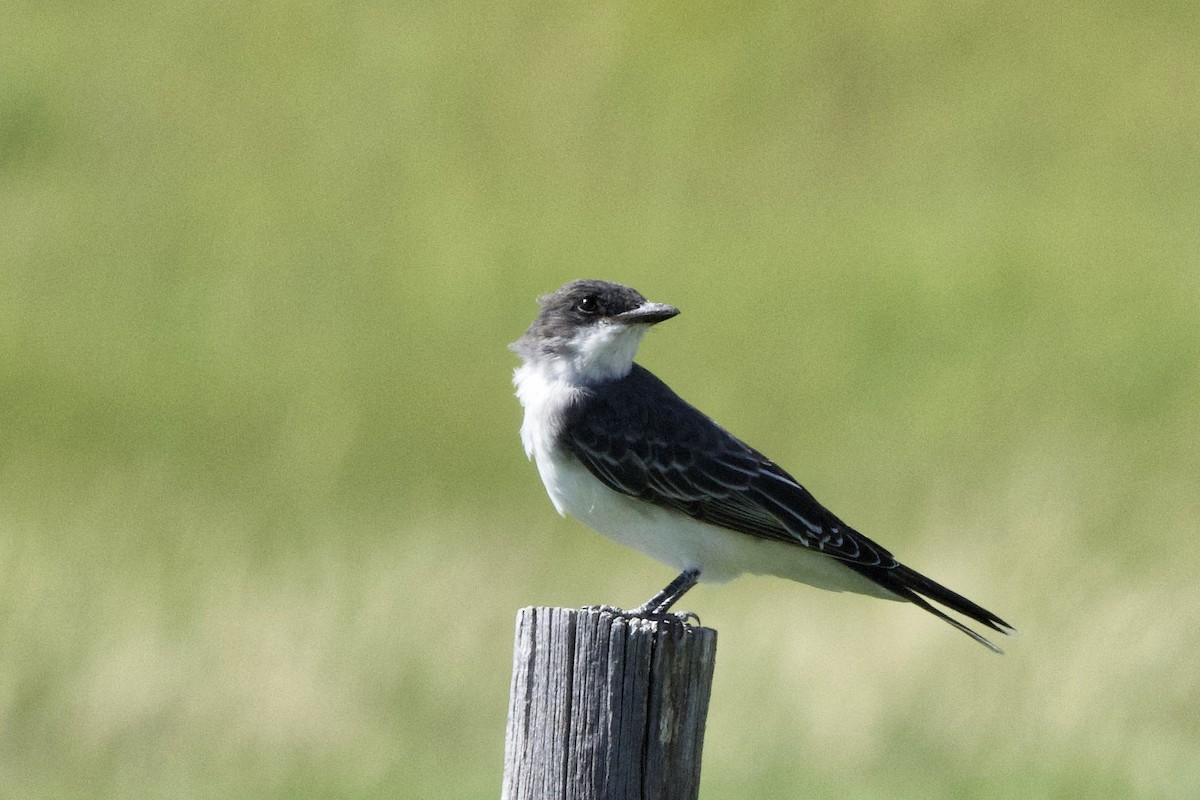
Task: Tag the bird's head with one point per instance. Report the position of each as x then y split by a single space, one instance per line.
589 330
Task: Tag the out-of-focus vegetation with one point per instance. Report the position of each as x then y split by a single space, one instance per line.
264 518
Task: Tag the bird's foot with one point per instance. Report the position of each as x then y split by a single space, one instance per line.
685 618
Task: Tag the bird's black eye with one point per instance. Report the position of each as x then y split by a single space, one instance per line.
588 304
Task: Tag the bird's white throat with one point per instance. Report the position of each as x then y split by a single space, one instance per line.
597 353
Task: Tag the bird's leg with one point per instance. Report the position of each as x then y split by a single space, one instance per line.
658 607
661 603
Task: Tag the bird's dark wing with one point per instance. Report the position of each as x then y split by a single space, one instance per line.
643 440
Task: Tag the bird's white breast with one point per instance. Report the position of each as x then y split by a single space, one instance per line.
545 397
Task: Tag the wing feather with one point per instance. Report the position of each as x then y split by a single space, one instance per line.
643 440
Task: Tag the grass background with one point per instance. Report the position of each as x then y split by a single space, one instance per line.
264 518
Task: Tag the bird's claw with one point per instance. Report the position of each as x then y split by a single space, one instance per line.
685 618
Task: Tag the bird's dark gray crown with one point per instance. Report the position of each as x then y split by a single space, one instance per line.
579 303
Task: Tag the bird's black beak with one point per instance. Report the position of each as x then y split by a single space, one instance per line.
647 314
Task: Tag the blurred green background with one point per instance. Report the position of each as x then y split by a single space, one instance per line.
264 516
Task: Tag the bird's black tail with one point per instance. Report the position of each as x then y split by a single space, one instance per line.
917 589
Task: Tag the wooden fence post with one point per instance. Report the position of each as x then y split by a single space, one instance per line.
606 707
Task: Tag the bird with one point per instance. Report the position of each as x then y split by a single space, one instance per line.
621 452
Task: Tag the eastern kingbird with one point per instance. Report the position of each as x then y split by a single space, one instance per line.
622 453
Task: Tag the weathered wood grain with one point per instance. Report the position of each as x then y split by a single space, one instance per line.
606 708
